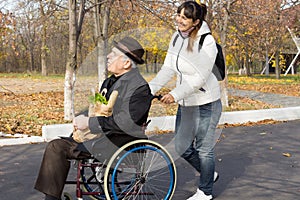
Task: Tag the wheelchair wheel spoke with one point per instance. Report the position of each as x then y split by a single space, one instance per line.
149 170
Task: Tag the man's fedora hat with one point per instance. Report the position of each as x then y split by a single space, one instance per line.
131 48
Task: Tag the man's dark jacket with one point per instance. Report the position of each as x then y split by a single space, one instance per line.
130 111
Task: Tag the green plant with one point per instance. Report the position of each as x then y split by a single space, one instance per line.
98 98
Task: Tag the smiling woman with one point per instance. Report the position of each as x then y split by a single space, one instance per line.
197 92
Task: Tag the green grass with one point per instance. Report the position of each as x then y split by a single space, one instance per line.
259 79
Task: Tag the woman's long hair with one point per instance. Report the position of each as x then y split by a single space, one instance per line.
194 11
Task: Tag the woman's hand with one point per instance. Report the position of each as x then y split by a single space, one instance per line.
168 98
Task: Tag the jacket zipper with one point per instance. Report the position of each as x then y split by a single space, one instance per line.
180 81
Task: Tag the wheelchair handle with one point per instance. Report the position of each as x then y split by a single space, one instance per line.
158 97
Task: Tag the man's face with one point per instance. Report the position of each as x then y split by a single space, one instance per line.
116 63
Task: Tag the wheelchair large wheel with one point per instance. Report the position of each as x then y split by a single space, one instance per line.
92 174
141 169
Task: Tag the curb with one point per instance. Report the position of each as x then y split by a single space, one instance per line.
235 117
277 114
50 132
21 140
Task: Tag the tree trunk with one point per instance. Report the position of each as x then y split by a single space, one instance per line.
43 62
146 63
102 45
267 62
70 76
44 52
277 67
31 59
155 63
44 39
75 28
102 39
223 31
247 65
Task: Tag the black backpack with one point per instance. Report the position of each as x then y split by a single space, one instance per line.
219 66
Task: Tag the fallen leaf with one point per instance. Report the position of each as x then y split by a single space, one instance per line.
7 126
286 154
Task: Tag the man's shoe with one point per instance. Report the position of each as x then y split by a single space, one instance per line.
199 195
216 177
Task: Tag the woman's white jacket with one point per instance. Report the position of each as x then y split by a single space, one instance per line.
195 84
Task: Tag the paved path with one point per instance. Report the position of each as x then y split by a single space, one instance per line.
250 161
271 98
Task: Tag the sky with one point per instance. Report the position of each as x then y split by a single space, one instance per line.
7 5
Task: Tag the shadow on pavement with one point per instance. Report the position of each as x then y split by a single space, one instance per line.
252 163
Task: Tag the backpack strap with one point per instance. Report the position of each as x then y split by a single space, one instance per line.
202 37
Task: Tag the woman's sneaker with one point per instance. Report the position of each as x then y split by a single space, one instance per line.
199 195
216 177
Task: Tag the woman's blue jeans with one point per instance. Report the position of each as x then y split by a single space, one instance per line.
195 139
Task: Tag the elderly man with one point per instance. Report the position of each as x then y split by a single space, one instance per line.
130 112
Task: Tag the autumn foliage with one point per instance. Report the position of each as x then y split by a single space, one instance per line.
27 113
26 107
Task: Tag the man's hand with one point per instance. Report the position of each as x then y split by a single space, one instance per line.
77 136
103 110
81 122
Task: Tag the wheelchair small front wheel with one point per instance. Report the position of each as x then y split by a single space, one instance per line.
67 196
141 169
92 179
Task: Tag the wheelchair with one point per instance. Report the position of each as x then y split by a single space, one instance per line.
139 169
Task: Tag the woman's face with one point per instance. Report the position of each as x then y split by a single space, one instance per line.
183 22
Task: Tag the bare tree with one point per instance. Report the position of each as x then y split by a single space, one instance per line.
75 26
46 11
102 35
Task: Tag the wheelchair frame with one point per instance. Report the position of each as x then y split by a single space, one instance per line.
140 169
